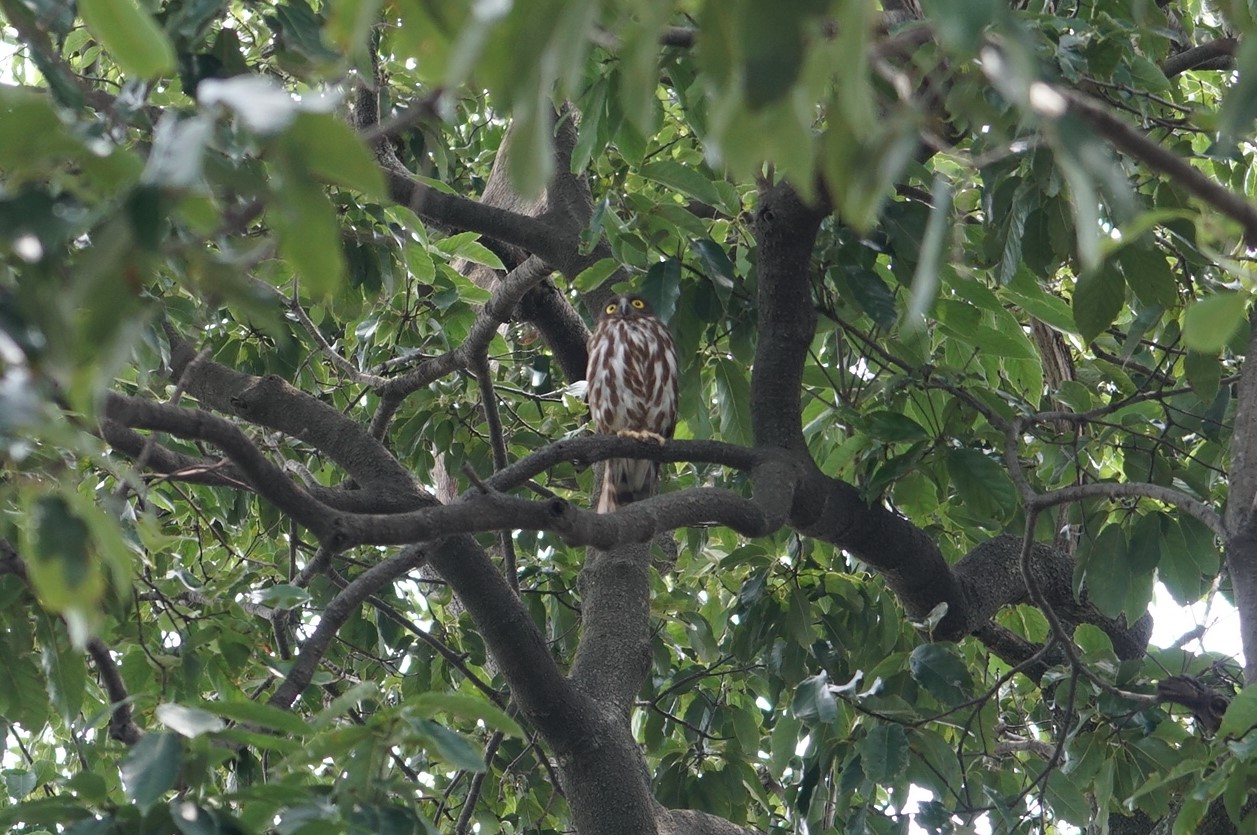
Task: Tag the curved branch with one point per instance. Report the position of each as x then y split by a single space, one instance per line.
590 449
333 617
1168 495
273 403
264 476
498 309
496 511
1214 55
552 245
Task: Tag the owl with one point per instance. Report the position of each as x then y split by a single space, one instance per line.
632 390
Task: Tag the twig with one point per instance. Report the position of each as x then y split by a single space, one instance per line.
473 791
497 441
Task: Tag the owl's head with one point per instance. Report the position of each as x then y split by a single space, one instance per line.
626 307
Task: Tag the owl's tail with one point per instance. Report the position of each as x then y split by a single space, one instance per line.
627 480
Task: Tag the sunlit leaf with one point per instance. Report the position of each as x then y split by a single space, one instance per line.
1209 323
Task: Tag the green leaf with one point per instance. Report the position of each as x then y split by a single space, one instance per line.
1190 559
335 153
1025 291
940 669
261 715
281 596
884 752
1204 374
1012 344
783 741
1145 543
1098 297
349 23
65 672
62 561
449 746
466 245
813 702
715 261
468 707
131 35
1108 572
771 39
925 279
1067 799
1239 107
893 426
308 229
870 293
1148 272
188 721
683 179
1209 323
982 485
960 23
1241 715
151 768
662 287
733 397
19 782
595 274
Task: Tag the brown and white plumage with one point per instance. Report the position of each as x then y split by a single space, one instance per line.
632 390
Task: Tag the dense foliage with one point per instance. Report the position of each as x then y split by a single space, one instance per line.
291 350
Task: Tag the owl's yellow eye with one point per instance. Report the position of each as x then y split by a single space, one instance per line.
638 303
610 309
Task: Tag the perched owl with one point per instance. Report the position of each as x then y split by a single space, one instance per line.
632 390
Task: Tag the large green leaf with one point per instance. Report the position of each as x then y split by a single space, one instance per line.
983 487
1208 324
884 752
151 768
940 669
131 35
308 230
1098 298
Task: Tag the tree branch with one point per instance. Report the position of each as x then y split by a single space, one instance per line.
1112 490
1214 55
271 402
1128 140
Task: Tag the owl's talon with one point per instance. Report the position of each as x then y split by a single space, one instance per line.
642 435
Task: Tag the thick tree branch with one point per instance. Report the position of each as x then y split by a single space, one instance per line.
785 228
1241 510
271 402
265 477
552 245
1214 55
174 465
614 651
589 449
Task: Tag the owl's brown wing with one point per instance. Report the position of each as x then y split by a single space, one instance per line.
633 388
